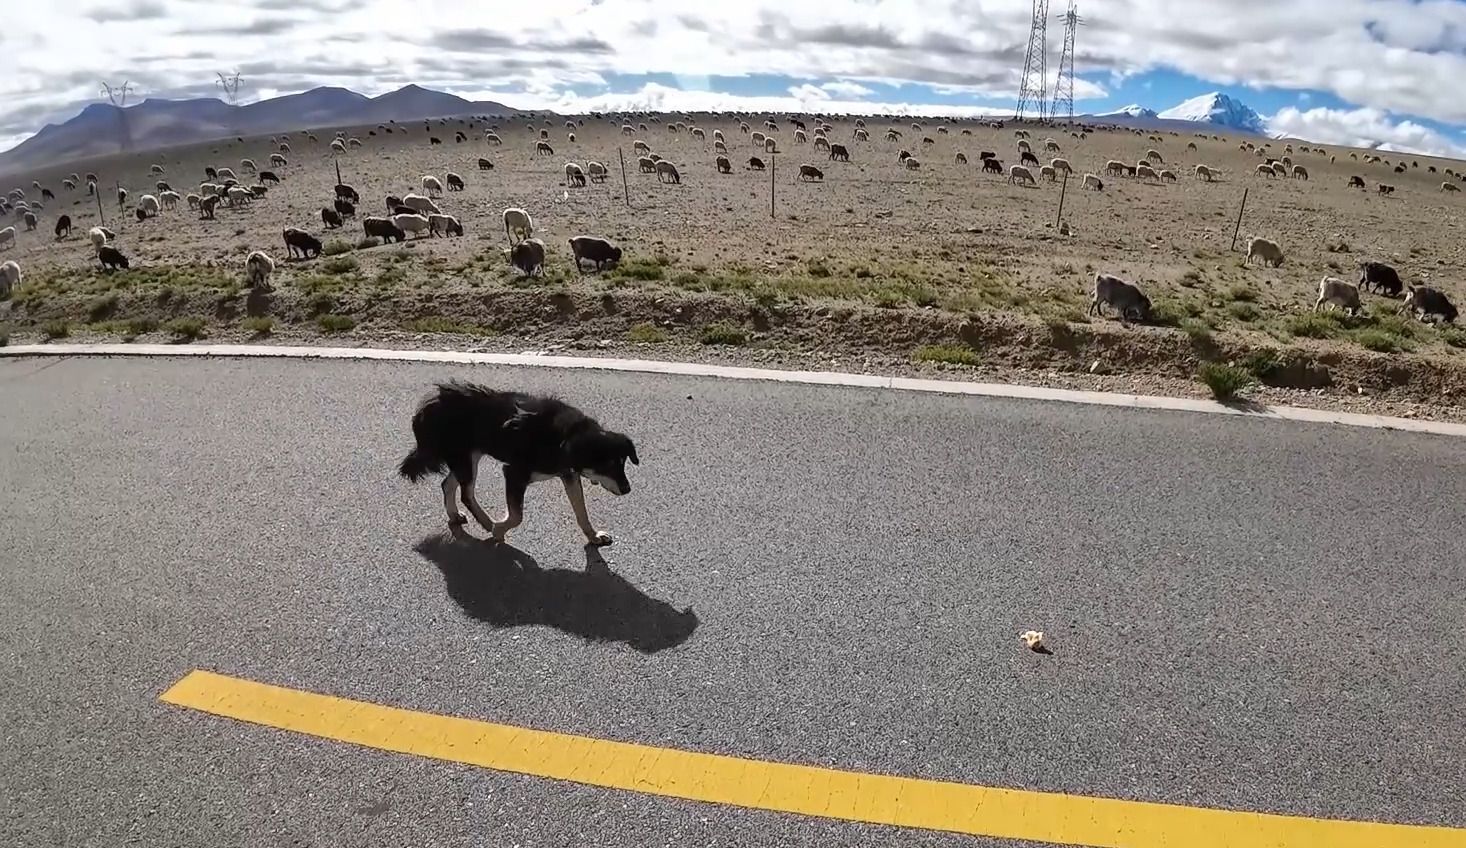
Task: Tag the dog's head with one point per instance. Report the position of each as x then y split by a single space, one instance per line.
600 457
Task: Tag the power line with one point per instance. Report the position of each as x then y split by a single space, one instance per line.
1063 104
1031 91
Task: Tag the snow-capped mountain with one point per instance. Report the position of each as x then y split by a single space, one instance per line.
1219 109
1134 110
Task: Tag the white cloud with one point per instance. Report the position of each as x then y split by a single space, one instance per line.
1363 128
847 89
657 97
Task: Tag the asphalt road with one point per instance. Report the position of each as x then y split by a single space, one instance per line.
1244 613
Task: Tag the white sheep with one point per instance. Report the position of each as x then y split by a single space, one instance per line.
912 163
1144 171
1154 156
411 223
155 170
258 267
238 195
338 146
445 224
718 135
1264 170
353 142
7 236
1449 186
1048 173
1166 175
170 199
641 148
597 171
1024 148
248 165
208 189
1093 181
758 139
1268 251
1204 172
1051 146
277 161
517 223
1018 173
432 185
699 134
225 174
861 135
193 200
771 146
99 236
423 205
10 278
149 205
1338 293
667 172
1061 165
720 147
646 165
574 174
800 137
493 138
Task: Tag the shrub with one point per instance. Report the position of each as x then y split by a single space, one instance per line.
333 323
1197 330
4 338
336 247
950 354
55 329
1243 311
1225 381
368 242
1381 341
439 324
1262 363
640 271
185 329
340 265
646 332
1454 336
138 326
102 308
1246 293
818 268
723 334
260 325
1312 325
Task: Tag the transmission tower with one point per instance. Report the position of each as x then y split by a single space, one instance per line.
230 86
1031 92
1064 87
117 96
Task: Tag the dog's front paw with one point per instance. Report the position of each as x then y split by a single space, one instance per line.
599 539
457 520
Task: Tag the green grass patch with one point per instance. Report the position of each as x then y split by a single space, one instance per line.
1453 336
440 324
4 338
340 265
1313 325
1196 329
1262 363
391 276
647 333
1382 341
639 269
1244 311
332 323
817 269
950 354
102 308
137 326
723 334
320 302
1247 294
55 329
260 325
185 329
336 247
1225 381
368 243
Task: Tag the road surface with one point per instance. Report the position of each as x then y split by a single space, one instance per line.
1244 614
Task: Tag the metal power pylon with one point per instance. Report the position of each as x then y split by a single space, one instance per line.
1035 72
1063 106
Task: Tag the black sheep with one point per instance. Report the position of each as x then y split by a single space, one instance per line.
63 226
345 208
111 258
1380 277
593 249
382 228
302 242
330 217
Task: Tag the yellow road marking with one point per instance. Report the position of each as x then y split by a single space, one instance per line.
784 787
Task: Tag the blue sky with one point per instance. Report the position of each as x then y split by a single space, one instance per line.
1365 72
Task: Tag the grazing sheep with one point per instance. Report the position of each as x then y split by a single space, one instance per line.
641 148
1047 172
393 201
1424 301
155 170
912 163
238 195
485 165
10 278
1204 172
1264 171
224 174
720 147
992 166
667 172
1018 173
1166 174
1338 293
192 200
444 224
170 199
594 249
30 220
529 257
302 242
1094 182
277 161
454 181
432 186
893 135
1386 189
597 172
928 141
423 205
1267 251
330 217
1113 168
1062 165
800 137
69 185
258 267
149 205
344 207
1155 157
1051 146
111 258
121 197
543 148
1125 298
1450 187
574 174
1144 172
755 163
771 146
861 135
517 223
7 236
723 165
1380 277
493 138
100 236
1279 169
1356 182
1026 158
1023 147
838 153
810 172
961 158
248 165
207 206
1300 173
268 177
383 229
208 189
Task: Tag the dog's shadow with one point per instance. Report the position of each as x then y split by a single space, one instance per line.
499 584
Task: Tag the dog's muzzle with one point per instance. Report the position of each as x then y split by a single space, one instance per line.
615 487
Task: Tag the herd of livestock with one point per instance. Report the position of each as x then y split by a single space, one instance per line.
419 212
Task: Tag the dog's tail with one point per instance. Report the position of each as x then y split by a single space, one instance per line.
417 465
424 458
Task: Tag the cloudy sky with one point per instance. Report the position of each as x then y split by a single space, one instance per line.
1339 71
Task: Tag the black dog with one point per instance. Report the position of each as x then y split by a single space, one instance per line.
536 438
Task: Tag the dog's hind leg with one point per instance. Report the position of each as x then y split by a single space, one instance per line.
450 501
463 469
576 494
516 480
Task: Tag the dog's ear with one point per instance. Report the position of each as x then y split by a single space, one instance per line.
631 452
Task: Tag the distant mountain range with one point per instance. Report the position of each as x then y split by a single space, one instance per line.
1217 110
100 127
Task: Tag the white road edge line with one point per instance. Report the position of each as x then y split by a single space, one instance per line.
729 372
